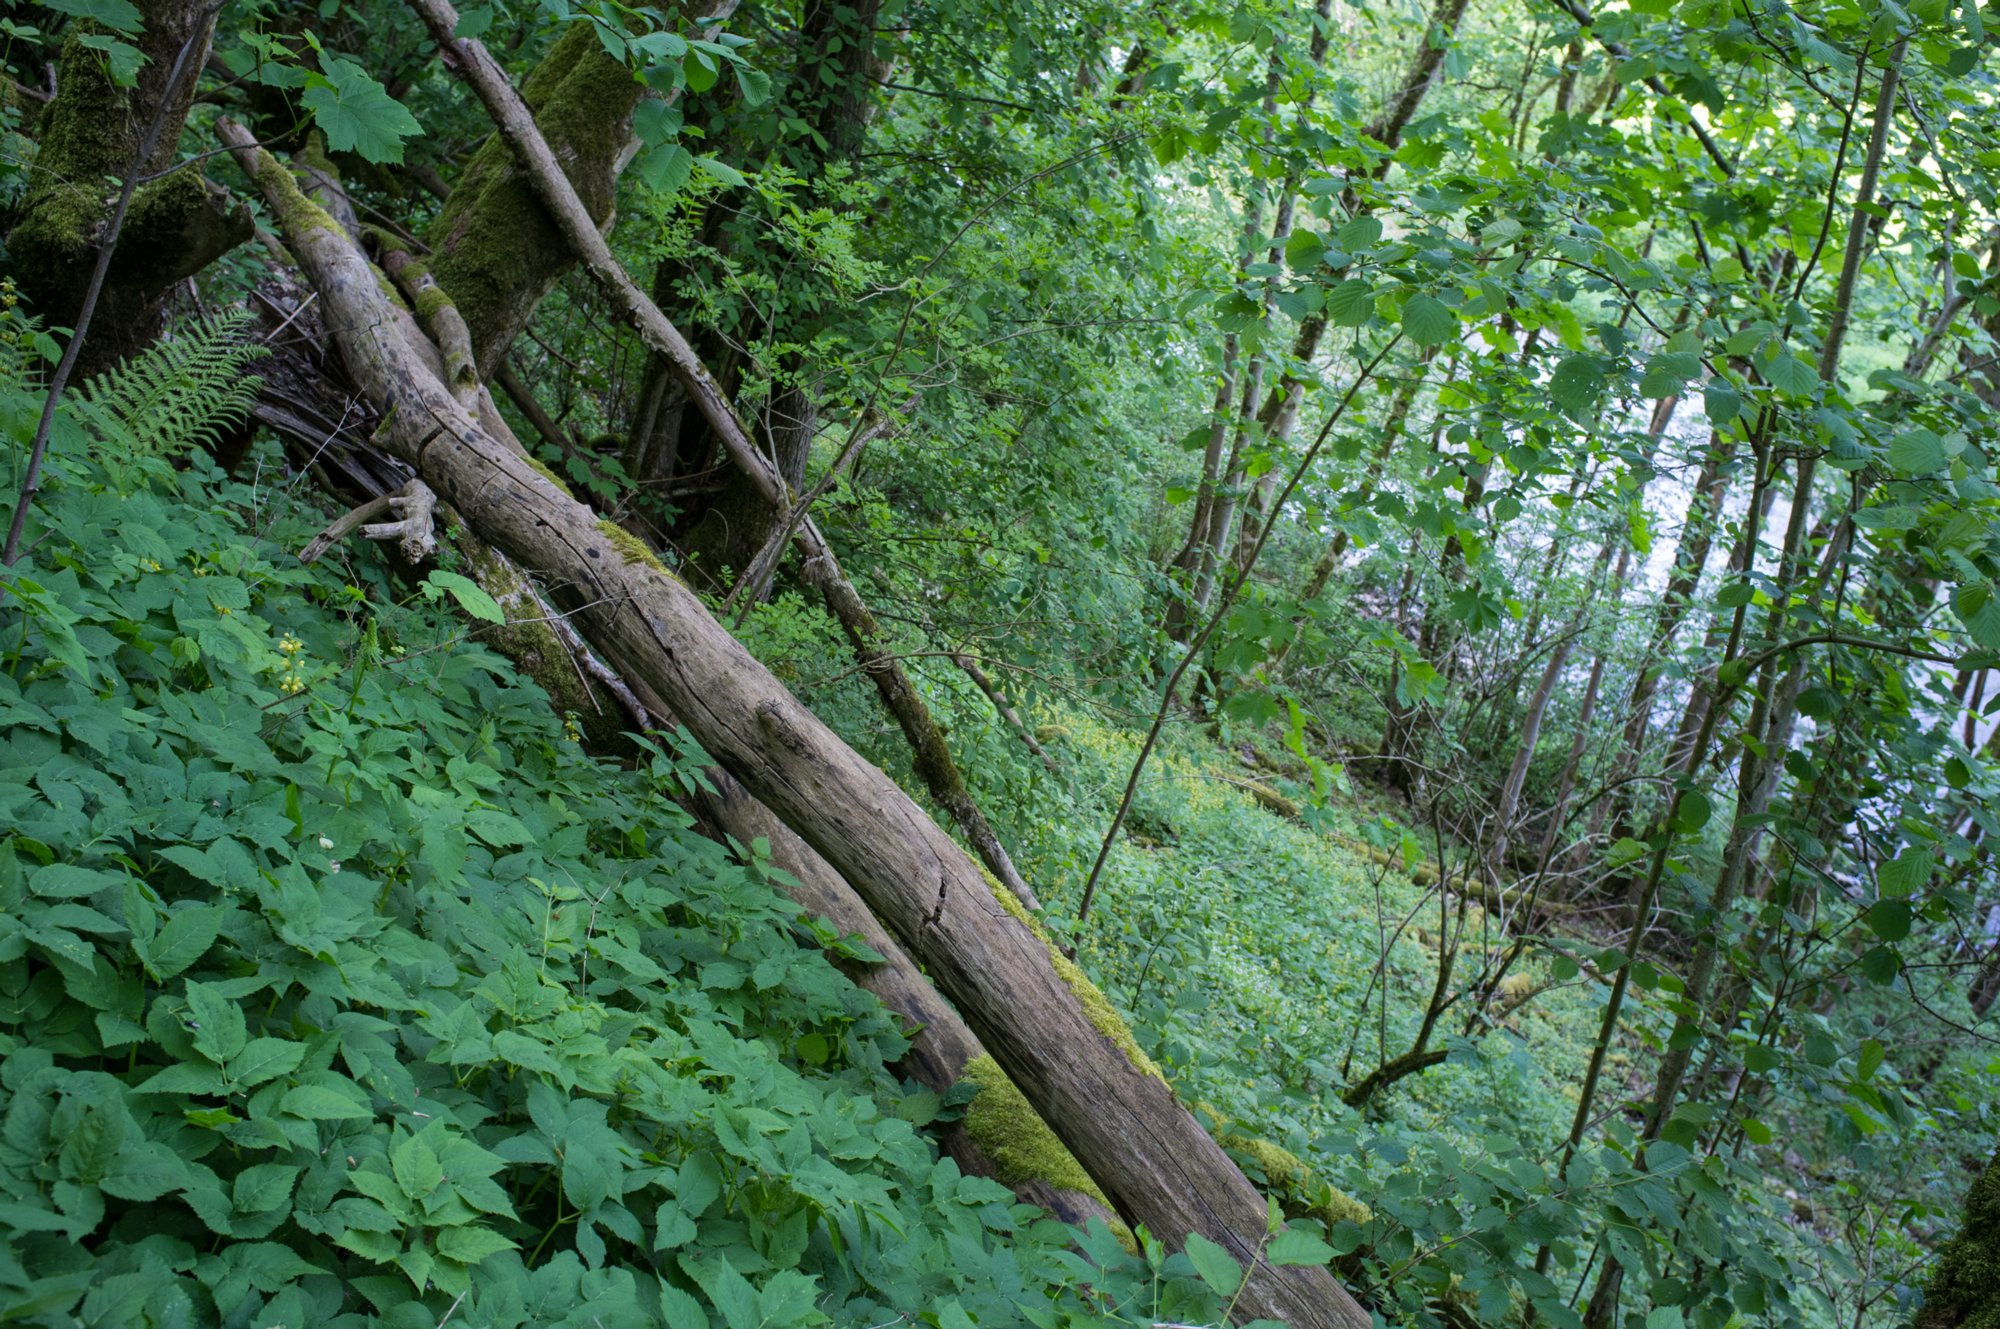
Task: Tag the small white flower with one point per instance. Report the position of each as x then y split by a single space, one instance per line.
332 866
325 843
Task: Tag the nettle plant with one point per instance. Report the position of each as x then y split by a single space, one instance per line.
338 985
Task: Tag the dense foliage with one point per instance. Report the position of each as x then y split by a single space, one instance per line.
1456 545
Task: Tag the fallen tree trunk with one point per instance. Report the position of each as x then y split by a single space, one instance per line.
1052 1032
534 158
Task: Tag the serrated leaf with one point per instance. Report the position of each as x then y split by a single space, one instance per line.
1351 303
1216 1266
66 881
1303 249
721 173
118 15
216 1023
317 1103
185 1078
469 596
1869 1060
1889 919
1789 374
356 113
1576 386
1978 607
1294 1246
265 1059
1917 452
666 169
1720 401
416 1166
753 83
262 1187
1361 233
1907 872
1427 321
470 1245
185 937
144 1172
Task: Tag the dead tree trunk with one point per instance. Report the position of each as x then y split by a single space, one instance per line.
1043 1023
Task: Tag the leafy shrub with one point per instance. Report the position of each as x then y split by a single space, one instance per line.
338 985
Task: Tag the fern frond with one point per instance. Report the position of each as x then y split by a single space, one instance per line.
176 394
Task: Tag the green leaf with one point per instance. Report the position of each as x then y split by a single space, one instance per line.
1428 321
187 935
1889 919
1293 1246
721 173
316 1103
1303 249
1791 375
216 1022
1906 872
118 15
356 113
1869 1060
666 169
262 1187
1215 1265
1692 812
1756 1131
1576 385
1665 1317
1917 452
471 599
470 1245
265 1059
144 1172
1978 607
1351 303
729 1290
1720 401
416 1166
66 881
1363 232
753 83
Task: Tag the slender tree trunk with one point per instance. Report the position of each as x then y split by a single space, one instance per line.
1777 701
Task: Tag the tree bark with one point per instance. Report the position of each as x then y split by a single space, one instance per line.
1964 1286
495 246
176 223
1119 1119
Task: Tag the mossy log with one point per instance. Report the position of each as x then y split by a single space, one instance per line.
1001 1136
1157 1164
